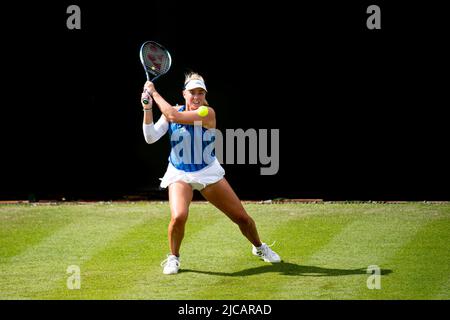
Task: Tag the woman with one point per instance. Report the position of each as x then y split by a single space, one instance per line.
190 170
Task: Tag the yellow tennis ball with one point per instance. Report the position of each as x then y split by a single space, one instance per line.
202 111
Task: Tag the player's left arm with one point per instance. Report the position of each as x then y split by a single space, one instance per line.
187 117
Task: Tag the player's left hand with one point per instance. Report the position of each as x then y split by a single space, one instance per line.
149 87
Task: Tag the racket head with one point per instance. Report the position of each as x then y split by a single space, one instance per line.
155 59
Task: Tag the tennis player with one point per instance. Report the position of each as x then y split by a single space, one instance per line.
185 174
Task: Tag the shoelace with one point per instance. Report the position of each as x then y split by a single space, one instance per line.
267 246
169 260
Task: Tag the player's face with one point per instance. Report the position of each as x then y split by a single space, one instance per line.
195 98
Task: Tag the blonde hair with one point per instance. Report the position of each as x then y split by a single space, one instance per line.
194 76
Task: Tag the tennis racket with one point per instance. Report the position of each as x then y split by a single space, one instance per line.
156 61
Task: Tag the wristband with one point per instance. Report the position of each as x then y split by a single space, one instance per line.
147 110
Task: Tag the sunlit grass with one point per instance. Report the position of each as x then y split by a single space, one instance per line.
326 249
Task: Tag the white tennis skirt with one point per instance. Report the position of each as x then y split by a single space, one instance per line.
197 179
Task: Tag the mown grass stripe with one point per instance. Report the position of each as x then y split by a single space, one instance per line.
41 268
423 265
24 226
373 237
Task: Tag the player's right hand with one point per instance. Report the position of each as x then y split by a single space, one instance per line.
146 96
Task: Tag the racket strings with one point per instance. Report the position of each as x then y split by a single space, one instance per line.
156 59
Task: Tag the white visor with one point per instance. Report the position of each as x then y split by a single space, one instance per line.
193 84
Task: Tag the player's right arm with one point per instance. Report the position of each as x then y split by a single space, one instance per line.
152 132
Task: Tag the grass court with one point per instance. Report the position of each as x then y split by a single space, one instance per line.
326 248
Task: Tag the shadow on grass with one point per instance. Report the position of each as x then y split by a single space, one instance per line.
290 269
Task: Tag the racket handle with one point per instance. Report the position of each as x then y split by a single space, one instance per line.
146 100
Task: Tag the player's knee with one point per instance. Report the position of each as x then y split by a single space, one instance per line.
245 221
179 219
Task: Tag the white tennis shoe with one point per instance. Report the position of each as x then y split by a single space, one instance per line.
267 254
171 264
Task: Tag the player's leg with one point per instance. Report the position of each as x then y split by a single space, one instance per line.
222 196
180 196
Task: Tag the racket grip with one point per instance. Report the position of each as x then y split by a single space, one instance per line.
146 99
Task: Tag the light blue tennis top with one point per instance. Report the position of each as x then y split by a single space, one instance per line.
192 146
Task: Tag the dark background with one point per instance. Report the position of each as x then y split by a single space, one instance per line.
360 112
